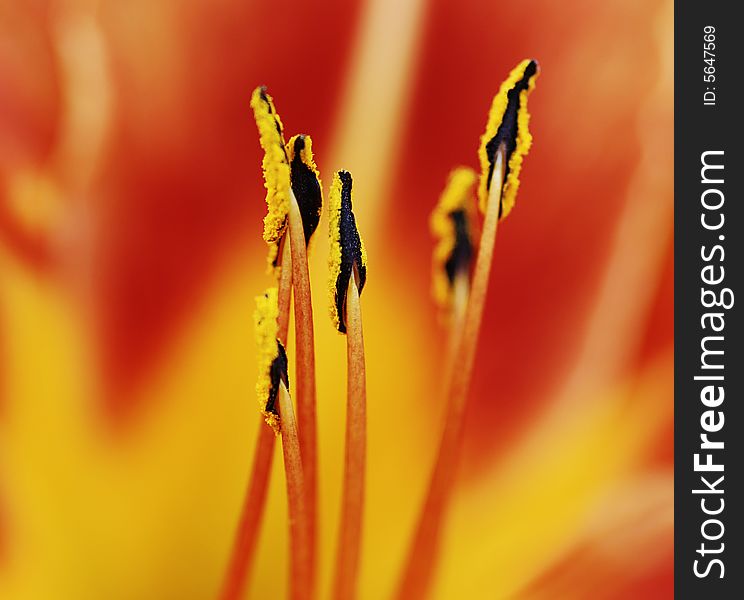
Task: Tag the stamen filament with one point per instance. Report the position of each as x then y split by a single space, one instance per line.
417 575
458 312
285 292
352 507
246 540
305 363
244 549
300 582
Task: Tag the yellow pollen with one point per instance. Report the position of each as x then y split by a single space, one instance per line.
523 139
457 196
265 321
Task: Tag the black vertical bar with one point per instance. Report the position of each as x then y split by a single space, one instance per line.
707 99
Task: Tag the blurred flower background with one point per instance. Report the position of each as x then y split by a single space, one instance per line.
131 201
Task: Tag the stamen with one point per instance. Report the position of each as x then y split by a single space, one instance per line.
347 250
300 571
246 540
244 548
294 202
457 314
305 355
502 150
352 505
273 394
290 175
275 167
272 360
508 123
306 202
452 225
419 568
306 184
285 291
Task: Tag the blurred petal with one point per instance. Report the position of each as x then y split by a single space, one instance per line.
130 253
